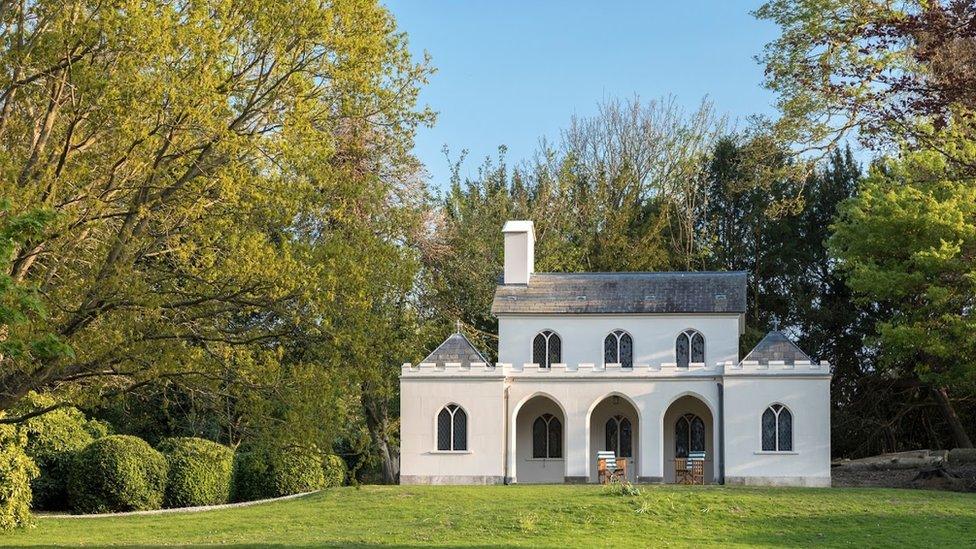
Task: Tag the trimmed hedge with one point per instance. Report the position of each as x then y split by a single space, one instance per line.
270 473
53 439
17 470
117 473
199 472
334 469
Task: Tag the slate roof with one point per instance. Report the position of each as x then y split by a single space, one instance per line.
776 346
594 293
456 348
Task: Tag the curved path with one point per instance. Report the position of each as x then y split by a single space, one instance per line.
175 510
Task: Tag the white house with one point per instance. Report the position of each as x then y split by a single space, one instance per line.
643 364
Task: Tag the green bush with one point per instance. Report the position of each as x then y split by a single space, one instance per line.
270 473
117 473
199 472
53 439
17 470
334 469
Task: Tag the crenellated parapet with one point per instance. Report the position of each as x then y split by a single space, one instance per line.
594 370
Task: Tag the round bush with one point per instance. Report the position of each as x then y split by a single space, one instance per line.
334 469
117 473
270 473
199 472
17 470
53 439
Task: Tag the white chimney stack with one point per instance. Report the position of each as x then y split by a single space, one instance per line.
519 251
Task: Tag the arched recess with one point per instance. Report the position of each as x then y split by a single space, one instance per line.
694 417
550 467
613 420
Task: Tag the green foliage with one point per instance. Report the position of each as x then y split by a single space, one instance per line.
199 472
908 242
17 470
262 473
53 438
334 471
117 473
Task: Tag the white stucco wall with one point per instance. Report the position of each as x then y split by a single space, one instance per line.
420 402
808 399
653 335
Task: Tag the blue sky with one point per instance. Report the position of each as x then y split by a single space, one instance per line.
511 72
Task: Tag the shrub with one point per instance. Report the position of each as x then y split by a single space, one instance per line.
199 472
334 469
17 470
53 439
269 473
117 473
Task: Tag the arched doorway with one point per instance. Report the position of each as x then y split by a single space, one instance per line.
614 426
540 442
688 427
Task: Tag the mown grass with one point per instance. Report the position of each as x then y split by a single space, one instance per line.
546 516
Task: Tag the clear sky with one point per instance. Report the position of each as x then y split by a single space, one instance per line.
510 72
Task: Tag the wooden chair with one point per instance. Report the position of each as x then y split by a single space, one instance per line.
690 470
606 466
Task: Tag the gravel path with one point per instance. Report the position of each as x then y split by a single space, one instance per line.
177 510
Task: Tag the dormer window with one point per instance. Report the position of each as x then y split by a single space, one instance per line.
689 348
618 348
546 349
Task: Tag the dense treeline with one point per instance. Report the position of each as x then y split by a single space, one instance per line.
212 225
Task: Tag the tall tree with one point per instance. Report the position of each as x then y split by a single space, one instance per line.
908 242
188 152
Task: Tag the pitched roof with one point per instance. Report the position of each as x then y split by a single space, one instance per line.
656 292
776 346
456 348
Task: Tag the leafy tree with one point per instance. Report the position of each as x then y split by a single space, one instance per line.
194 160
908 242
890 71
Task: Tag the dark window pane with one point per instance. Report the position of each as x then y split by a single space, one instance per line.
539 438
785 431
769 430
444 430
681 434
460 430
626 351
611 435
555 438
697 348
555 350
626 449
610 349
539 349
697 434
681 350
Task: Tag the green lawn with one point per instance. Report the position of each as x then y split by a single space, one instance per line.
553 516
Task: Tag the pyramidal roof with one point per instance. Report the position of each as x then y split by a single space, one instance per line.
456 348
776 346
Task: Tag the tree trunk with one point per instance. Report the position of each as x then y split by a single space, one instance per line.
377 422
959 434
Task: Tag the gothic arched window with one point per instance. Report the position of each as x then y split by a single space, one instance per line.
452 428
777 429
547 437
689 435
618 348
619 436
546 349
689 347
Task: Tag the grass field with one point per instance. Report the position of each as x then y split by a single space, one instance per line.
550 516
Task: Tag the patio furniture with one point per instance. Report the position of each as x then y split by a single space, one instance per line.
690 470
609 467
